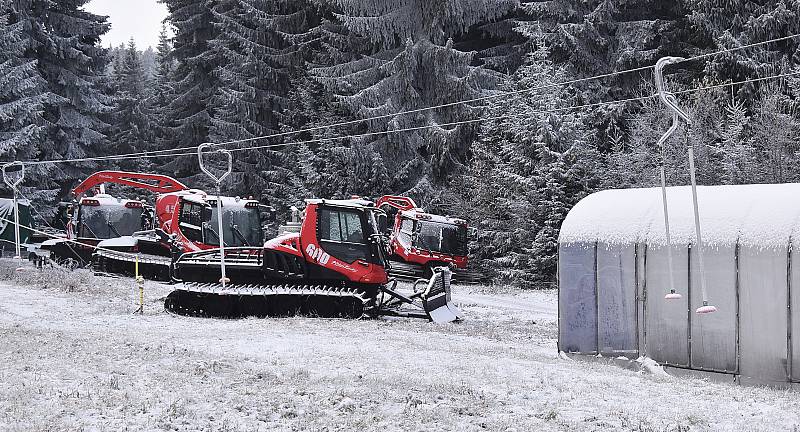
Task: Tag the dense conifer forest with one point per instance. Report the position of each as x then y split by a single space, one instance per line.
242 69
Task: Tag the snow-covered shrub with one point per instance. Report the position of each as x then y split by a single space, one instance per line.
58 278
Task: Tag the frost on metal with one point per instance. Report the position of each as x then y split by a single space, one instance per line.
755 215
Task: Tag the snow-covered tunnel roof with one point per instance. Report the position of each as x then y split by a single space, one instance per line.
764 215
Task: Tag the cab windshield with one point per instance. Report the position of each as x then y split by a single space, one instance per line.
441 237
105 222
241 227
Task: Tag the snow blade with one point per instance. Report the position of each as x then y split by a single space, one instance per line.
436 299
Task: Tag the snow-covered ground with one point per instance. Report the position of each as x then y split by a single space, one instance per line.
73 357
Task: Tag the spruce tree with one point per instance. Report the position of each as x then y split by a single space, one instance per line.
600 36
331 167
552 207
161 92
149 63
498 44
189 112
165 63
528 170
131 129
408 61
63 39
23 94
736 162
260 44
775 129
724 24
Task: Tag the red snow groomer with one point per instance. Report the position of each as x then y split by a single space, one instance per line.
334 266
420 241
182 224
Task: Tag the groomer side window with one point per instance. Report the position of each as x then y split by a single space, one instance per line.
341 234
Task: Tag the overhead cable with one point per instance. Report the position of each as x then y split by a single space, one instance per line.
189 150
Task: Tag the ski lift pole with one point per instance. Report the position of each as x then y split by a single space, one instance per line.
14 185
671 102
672 295
218 179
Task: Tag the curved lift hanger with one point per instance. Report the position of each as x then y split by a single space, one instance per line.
679 114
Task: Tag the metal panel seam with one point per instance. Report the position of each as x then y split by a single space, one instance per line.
738 307
596 302
689 303
636 292
789 356
644 300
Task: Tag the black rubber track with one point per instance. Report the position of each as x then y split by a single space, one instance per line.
210 305
149 271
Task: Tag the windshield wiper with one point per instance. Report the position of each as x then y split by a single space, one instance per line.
111 226
208 227
236 231
91 231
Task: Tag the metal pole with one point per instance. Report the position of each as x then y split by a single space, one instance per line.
672 295
224 279
218 180
706 308
18 256
14 184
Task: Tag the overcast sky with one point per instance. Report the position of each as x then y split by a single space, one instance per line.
138 18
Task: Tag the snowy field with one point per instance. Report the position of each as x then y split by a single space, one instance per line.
73 357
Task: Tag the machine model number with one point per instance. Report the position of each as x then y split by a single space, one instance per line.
318 254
